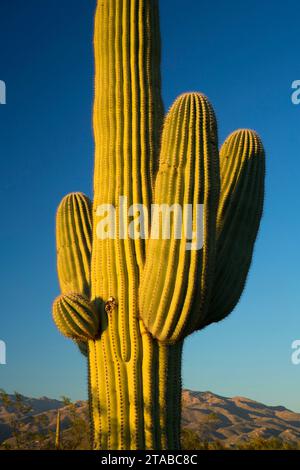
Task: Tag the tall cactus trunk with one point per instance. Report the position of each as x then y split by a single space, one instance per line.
128 114
136 405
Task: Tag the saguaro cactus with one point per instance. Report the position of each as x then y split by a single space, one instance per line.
129 302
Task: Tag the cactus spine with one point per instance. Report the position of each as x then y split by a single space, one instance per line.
129 303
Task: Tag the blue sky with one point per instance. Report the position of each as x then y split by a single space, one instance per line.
244 57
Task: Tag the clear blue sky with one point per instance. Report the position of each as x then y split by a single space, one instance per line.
244 56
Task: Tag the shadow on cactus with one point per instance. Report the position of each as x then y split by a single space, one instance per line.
129 303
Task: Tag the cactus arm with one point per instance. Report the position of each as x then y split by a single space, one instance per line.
76 317
180 279
74 246
73 241
242 162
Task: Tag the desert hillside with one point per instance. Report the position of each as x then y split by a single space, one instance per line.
230 420
212 417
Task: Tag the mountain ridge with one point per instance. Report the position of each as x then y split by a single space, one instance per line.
211 416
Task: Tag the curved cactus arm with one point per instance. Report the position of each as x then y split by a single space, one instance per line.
176 281
242 161
76 317
74 243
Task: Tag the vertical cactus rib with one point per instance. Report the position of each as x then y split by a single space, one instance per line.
188 174
174 400
95 400
242 163
90 400
177 396
149 367
163 373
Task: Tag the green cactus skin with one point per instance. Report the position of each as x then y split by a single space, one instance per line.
188 173
76 317
129 303
242 164
74 243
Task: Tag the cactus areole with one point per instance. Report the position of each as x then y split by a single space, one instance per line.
129 303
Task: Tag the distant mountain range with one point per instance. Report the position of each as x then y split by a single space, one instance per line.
212 417
232 420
